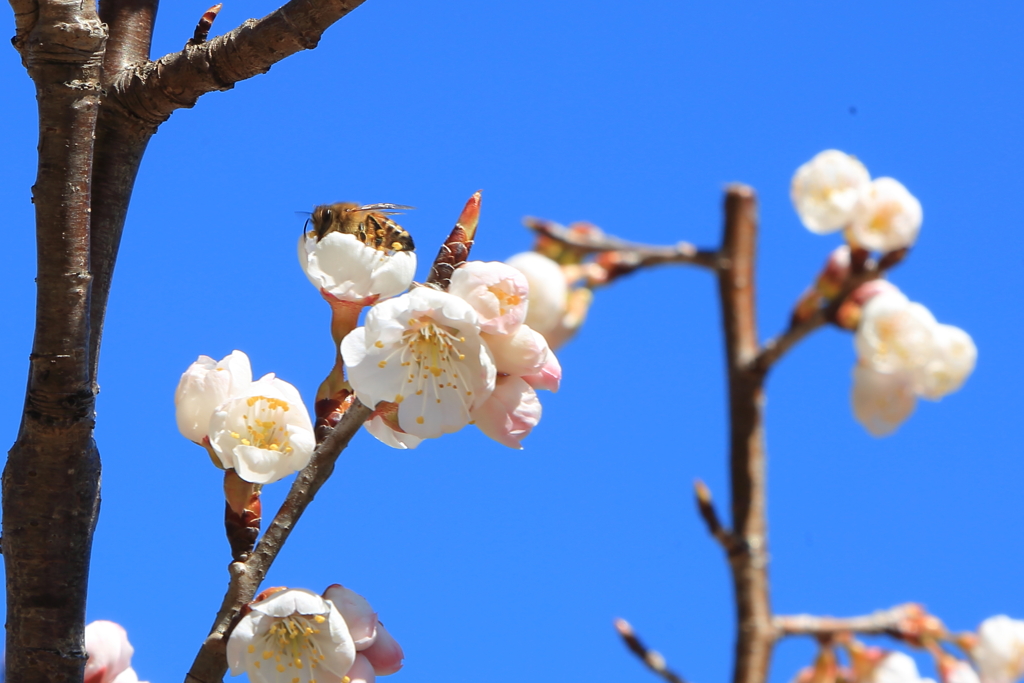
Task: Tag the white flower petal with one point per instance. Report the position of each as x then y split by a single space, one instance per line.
887 217
999 652
347 269
826 188
881 402
549 291
205 385
497 292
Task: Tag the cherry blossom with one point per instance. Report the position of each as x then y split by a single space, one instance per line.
896 667
826 189
895 334
292 634
999 650
422 351
881 401
342 267
110 653
951 362
497 292
510 413
377 652
264 434
549 291
204 386
886 217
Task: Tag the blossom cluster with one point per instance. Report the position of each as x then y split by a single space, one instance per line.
110 654
293 635
995 654
903 353
441 360
833 191
261 428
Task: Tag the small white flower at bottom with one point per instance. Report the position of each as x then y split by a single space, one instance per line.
422 351
881 402
293 636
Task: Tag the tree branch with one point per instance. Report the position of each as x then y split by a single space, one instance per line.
210 663
706 508
152 91
51 480
593 241
775 348
652 659
749 563
883 622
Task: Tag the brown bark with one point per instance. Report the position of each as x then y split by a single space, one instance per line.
747 456
51 480
100 99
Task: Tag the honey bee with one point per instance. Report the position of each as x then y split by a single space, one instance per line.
370 224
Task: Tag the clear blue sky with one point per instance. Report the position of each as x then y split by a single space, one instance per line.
490 564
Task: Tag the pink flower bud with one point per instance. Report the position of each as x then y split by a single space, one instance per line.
110 653
510 413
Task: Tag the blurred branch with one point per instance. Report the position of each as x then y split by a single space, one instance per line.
651 658
749 559
635 256
210 663
891 621
706 507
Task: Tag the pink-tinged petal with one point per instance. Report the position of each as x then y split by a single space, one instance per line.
127 676
362 671
549 377
510 414
359 616
385 654
523 353
109 651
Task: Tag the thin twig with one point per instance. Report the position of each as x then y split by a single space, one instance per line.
883 622
651 658
706 507
777 347
595 241
210 663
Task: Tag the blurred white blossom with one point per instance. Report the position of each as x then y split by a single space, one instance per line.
999 650
881 401
348 270
896 667
825 190
549 290
886 217
110 654
293 634
265 434
205 385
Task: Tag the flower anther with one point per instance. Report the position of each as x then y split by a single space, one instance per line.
496 291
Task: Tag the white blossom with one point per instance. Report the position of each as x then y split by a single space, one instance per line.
826 188
957 671
523 353
349 270
952 361
497 292
291 635
204 386
110 653
895 334
422 351
377 652
896 667
265 434
549 290
999 651
510 413
881 401
887 217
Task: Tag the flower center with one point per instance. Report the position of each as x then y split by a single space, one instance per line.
291 642
262 424
506 300
430 353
